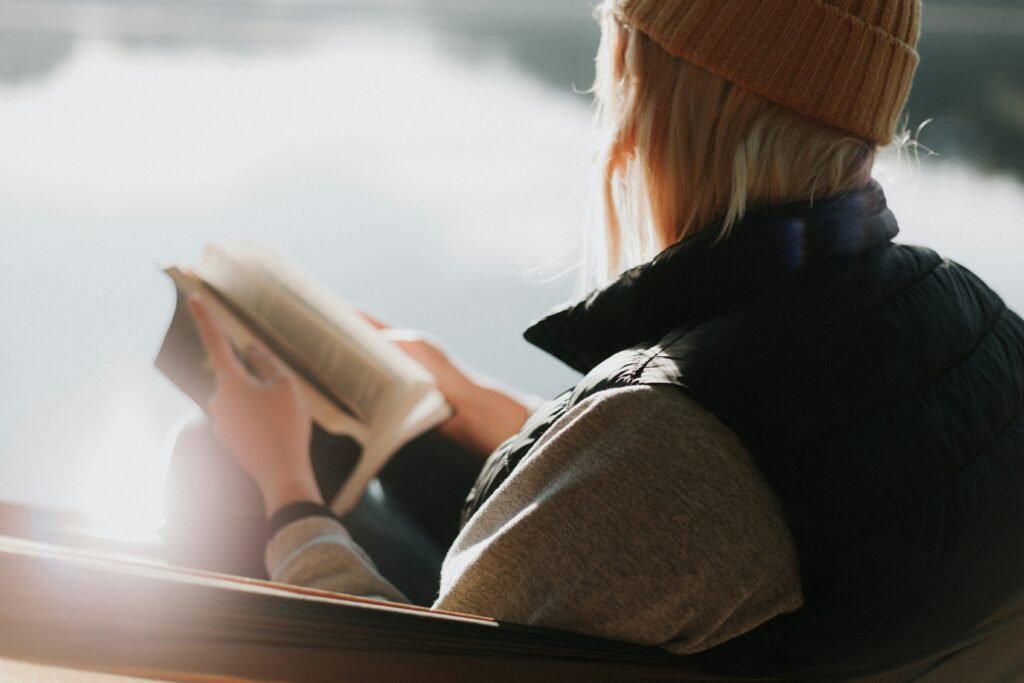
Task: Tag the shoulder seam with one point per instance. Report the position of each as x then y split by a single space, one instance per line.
635 375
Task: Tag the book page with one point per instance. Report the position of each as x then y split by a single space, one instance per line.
339 360
327 342
183 360
308 294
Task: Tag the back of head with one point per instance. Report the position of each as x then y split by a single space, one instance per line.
713 107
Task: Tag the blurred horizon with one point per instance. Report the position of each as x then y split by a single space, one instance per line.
426 159
968 87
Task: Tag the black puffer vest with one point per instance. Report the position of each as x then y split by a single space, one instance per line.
879 388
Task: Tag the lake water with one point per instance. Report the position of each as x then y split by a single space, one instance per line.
424 167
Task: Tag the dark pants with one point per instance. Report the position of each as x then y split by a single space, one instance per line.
405 522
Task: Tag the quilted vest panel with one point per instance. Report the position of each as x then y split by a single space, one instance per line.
878 387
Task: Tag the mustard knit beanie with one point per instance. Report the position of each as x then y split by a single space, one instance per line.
846 63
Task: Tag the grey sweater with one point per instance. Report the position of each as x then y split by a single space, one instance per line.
638 517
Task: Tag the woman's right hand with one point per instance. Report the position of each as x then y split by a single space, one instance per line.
260 415
484 414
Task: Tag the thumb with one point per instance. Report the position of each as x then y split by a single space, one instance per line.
265 365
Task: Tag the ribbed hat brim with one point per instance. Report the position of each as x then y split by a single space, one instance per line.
807 55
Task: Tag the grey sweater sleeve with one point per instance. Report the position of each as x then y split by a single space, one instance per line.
638 517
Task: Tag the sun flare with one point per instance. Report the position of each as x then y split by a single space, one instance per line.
122 492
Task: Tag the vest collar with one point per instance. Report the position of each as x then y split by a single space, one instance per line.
700 274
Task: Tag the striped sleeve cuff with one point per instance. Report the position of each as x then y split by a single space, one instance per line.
296 511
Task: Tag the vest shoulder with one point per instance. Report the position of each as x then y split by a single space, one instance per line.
880 296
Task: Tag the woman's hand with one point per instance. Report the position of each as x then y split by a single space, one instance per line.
484 415
260 415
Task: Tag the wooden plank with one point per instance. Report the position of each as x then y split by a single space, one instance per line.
88 611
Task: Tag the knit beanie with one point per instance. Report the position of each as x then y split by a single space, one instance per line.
846 63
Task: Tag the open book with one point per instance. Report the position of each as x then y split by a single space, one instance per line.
357 382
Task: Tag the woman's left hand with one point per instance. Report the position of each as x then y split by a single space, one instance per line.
260 415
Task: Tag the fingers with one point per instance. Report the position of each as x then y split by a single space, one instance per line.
217 346
264 364
424 352
376 322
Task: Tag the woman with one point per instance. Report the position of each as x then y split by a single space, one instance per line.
798 448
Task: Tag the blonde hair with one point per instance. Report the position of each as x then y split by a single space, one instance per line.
683 147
